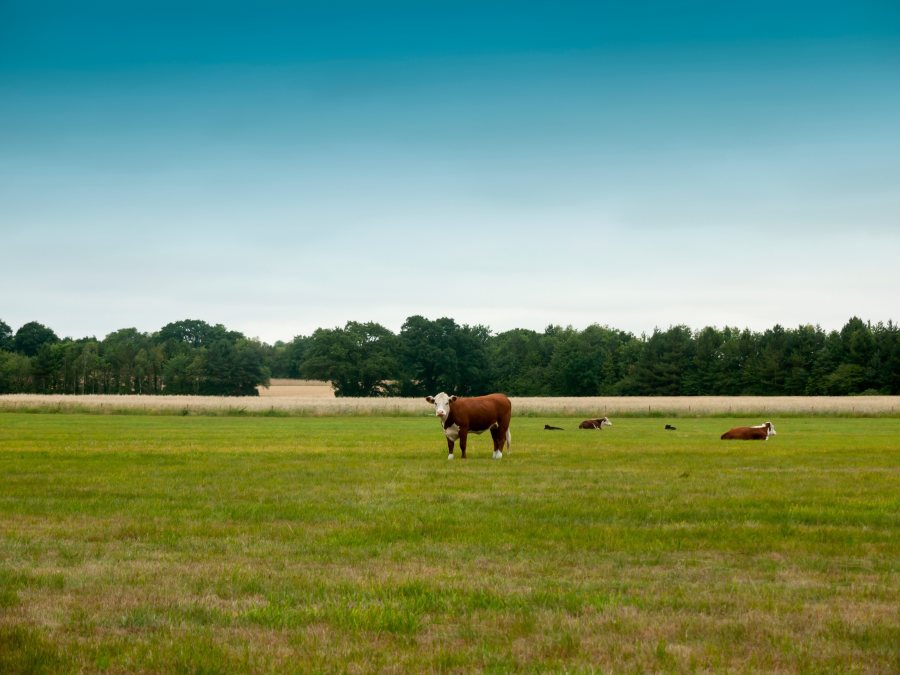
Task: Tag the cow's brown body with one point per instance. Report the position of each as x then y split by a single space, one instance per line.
759 433
476 414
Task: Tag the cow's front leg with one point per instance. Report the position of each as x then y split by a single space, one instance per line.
450 448
463 434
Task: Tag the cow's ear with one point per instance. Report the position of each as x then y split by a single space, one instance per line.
430 399
453 398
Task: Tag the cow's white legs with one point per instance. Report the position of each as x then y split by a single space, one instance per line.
450 456
498 454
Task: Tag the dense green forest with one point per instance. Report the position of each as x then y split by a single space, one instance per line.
427 356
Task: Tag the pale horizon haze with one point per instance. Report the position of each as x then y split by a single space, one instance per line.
278 167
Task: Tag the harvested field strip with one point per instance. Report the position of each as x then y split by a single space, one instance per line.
639 406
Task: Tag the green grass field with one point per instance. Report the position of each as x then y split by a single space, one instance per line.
229 544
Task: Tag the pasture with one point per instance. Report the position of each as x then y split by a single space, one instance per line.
174 543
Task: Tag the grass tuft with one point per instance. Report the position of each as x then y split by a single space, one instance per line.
24 650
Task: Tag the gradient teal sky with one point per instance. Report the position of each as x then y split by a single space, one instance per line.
279 167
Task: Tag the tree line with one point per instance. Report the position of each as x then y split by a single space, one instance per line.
431 355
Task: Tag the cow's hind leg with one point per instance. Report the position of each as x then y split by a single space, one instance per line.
450 447
499 436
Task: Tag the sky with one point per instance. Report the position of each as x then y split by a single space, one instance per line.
278 167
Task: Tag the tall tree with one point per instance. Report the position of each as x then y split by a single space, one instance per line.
427 349
571 370
233 369
887 340
739 350
6 337
707 369
519 360
770 367
46 367
15 373
664 365
284 359
804 344
440 355
474 375
359 359
192 333
31 337
90 366
120 349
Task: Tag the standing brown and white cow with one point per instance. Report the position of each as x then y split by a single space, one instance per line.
477 414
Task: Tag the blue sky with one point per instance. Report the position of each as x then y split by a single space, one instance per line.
278 167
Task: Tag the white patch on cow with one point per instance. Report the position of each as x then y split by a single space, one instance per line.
498 454
770 428
452 432
450 456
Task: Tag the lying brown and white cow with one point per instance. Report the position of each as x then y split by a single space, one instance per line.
760 432
477 414
597 423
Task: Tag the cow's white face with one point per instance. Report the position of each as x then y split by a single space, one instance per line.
441 404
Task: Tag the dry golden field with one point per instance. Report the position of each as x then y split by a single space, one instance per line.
296 389
317 405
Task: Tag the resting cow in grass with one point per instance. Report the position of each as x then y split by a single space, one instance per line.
597 423
760 432
477 414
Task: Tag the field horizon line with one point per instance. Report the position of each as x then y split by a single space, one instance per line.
529 406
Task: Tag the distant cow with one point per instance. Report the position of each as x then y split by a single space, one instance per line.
760 432
669 427
547 427
477 414
598 423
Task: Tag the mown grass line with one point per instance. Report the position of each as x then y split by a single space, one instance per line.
167 543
